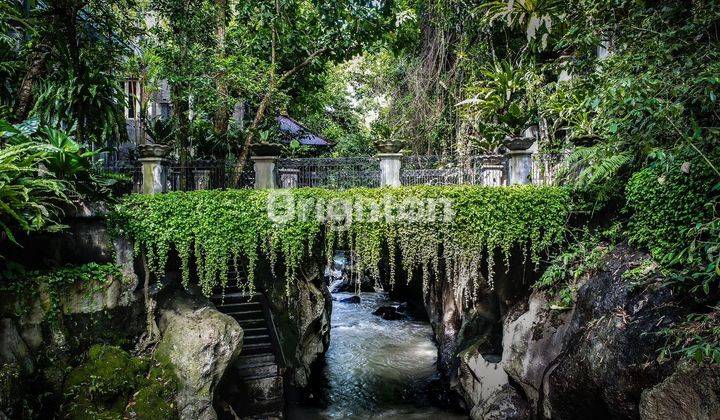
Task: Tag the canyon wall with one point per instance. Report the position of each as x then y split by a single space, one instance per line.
508 354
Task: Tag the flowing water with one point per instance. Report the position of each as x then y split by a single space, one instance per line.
376 368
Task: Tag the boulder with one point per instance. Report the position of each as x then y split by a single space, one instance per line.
504 404
691 392
389 313
479 377
531 343
352 299
312 323
199 342
348 285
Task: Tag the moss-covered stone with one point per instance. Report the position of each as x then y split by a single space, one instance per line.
151 402
111 384
154 400
101 387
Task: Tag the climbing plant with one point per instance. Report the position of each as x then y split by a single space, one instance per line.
464 227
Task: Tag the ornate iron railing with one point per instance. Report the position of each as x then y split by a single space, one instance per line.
345 172
488 170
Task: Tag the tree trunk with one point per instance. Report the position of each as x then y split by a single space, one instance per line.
34 73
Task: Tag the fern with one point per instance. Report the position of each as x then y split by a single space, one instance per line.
594 164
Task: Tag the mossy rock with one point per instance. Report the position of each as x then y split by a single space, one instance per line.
151 402
155 398
102 386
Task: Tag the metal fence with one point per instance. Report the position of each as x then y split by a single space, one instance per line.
488 170
348 172
546 168
199 175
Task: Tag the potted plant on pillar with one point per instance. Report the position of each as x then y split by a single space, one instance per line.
500 108
387 137
162 134
268 143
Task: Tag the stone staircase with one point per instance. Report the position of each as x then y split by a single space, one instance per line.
254 384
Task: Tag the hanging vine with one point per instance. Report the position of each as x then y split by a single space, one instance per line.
216 230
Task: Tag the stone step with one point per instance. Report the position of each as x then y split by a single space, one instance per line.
246 315
235 296
256 372
256 339
255 360
230 307
255 331
264 410
258 348
252 323
241 305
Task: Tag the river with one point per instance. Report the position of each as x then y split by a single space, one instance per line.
375 368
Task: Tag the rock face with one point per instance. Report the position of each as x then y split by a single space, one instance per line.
13 350
504 404
691 392
508 355
303 321
200 343
610 356
531 344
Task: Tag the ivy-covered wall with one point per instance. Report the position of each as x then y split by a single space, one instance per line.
426 225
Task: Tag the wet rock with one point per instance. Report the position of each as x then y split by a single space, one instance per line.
303 322
479 377
389 313
691 392
199 342
504 404
347 285
351 299
532 342
312 323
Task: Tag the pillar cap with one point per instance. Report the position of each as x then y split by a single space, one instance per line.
153 159
389 155
519 152
264 158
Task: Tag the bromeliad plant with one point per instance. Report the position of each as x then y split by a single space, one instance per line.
217 229
499 106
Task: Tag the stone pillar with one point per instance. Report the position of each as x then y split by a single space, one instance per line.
265 172
154 175
289 178
202 179
390 169
519 167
